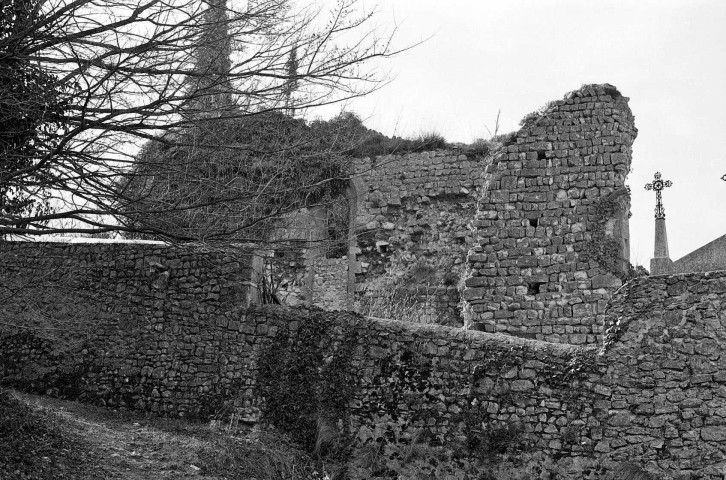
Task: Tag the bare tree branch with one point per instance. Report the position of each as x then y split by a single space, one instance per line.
86 83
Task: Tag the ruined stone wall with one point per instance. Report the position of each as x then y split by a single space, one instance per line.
412 231
654 397
330 284
409 234
551 224
302 276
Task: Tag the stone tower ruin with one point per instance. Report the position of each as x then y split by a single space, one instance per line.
552 222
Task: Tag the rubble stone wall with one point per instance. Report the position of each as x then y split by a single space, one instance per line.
655 395
66 306
550 217
664 386
132 277
330 283
412 231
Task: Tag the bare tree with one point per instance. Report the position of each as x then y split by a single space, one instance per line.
201 81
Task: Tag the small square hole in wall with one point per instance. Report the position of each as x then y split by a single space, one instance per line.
533 288
534 222
382 247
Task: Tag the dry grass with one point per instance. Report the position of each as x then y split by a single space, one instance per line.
414 305
327 437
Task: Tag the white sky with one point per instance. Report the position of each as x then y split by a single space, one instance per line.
668 56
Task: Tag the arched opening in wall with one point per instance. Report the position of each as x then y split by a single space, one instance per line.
330 268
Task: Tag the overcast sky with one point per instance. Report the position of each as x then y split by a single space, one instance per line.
668 56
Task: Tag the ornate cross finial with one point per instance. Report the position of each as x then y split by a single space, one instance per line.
659 185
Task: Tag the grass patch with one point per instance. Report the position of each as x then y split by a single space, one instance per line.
372 144
262 456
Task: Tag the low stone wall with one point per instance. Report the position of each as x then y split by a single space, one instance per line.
666 374
62 287
134 271
656 395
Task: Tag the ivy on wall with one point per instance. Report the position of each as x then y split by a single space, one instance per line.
603 248
490 396
486 437
306 379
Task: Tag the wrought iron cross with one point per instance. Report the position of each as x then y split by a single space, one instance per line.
658 185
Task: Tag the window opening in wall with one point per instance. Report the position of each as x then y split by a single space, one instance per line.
540 154
533 288
382 247
534 222
337 223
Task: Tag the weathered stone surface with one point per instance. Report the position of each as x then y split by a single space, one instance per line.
655 387
665 338
408 219
537 218
427 233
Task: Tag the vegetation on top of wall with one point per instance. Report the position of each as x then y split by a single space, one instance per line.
230 178
532 117
377 144
253 169
483 146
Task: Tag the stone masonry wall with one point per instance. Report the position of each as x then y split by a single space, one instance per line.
330 286
665 382
655 396
412 227
545 227
73 285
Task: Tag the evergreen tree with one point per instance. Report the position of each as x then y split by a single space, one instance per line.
31 107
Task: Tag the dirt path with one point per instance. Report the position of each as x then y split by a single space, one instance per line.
51 439
129 446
